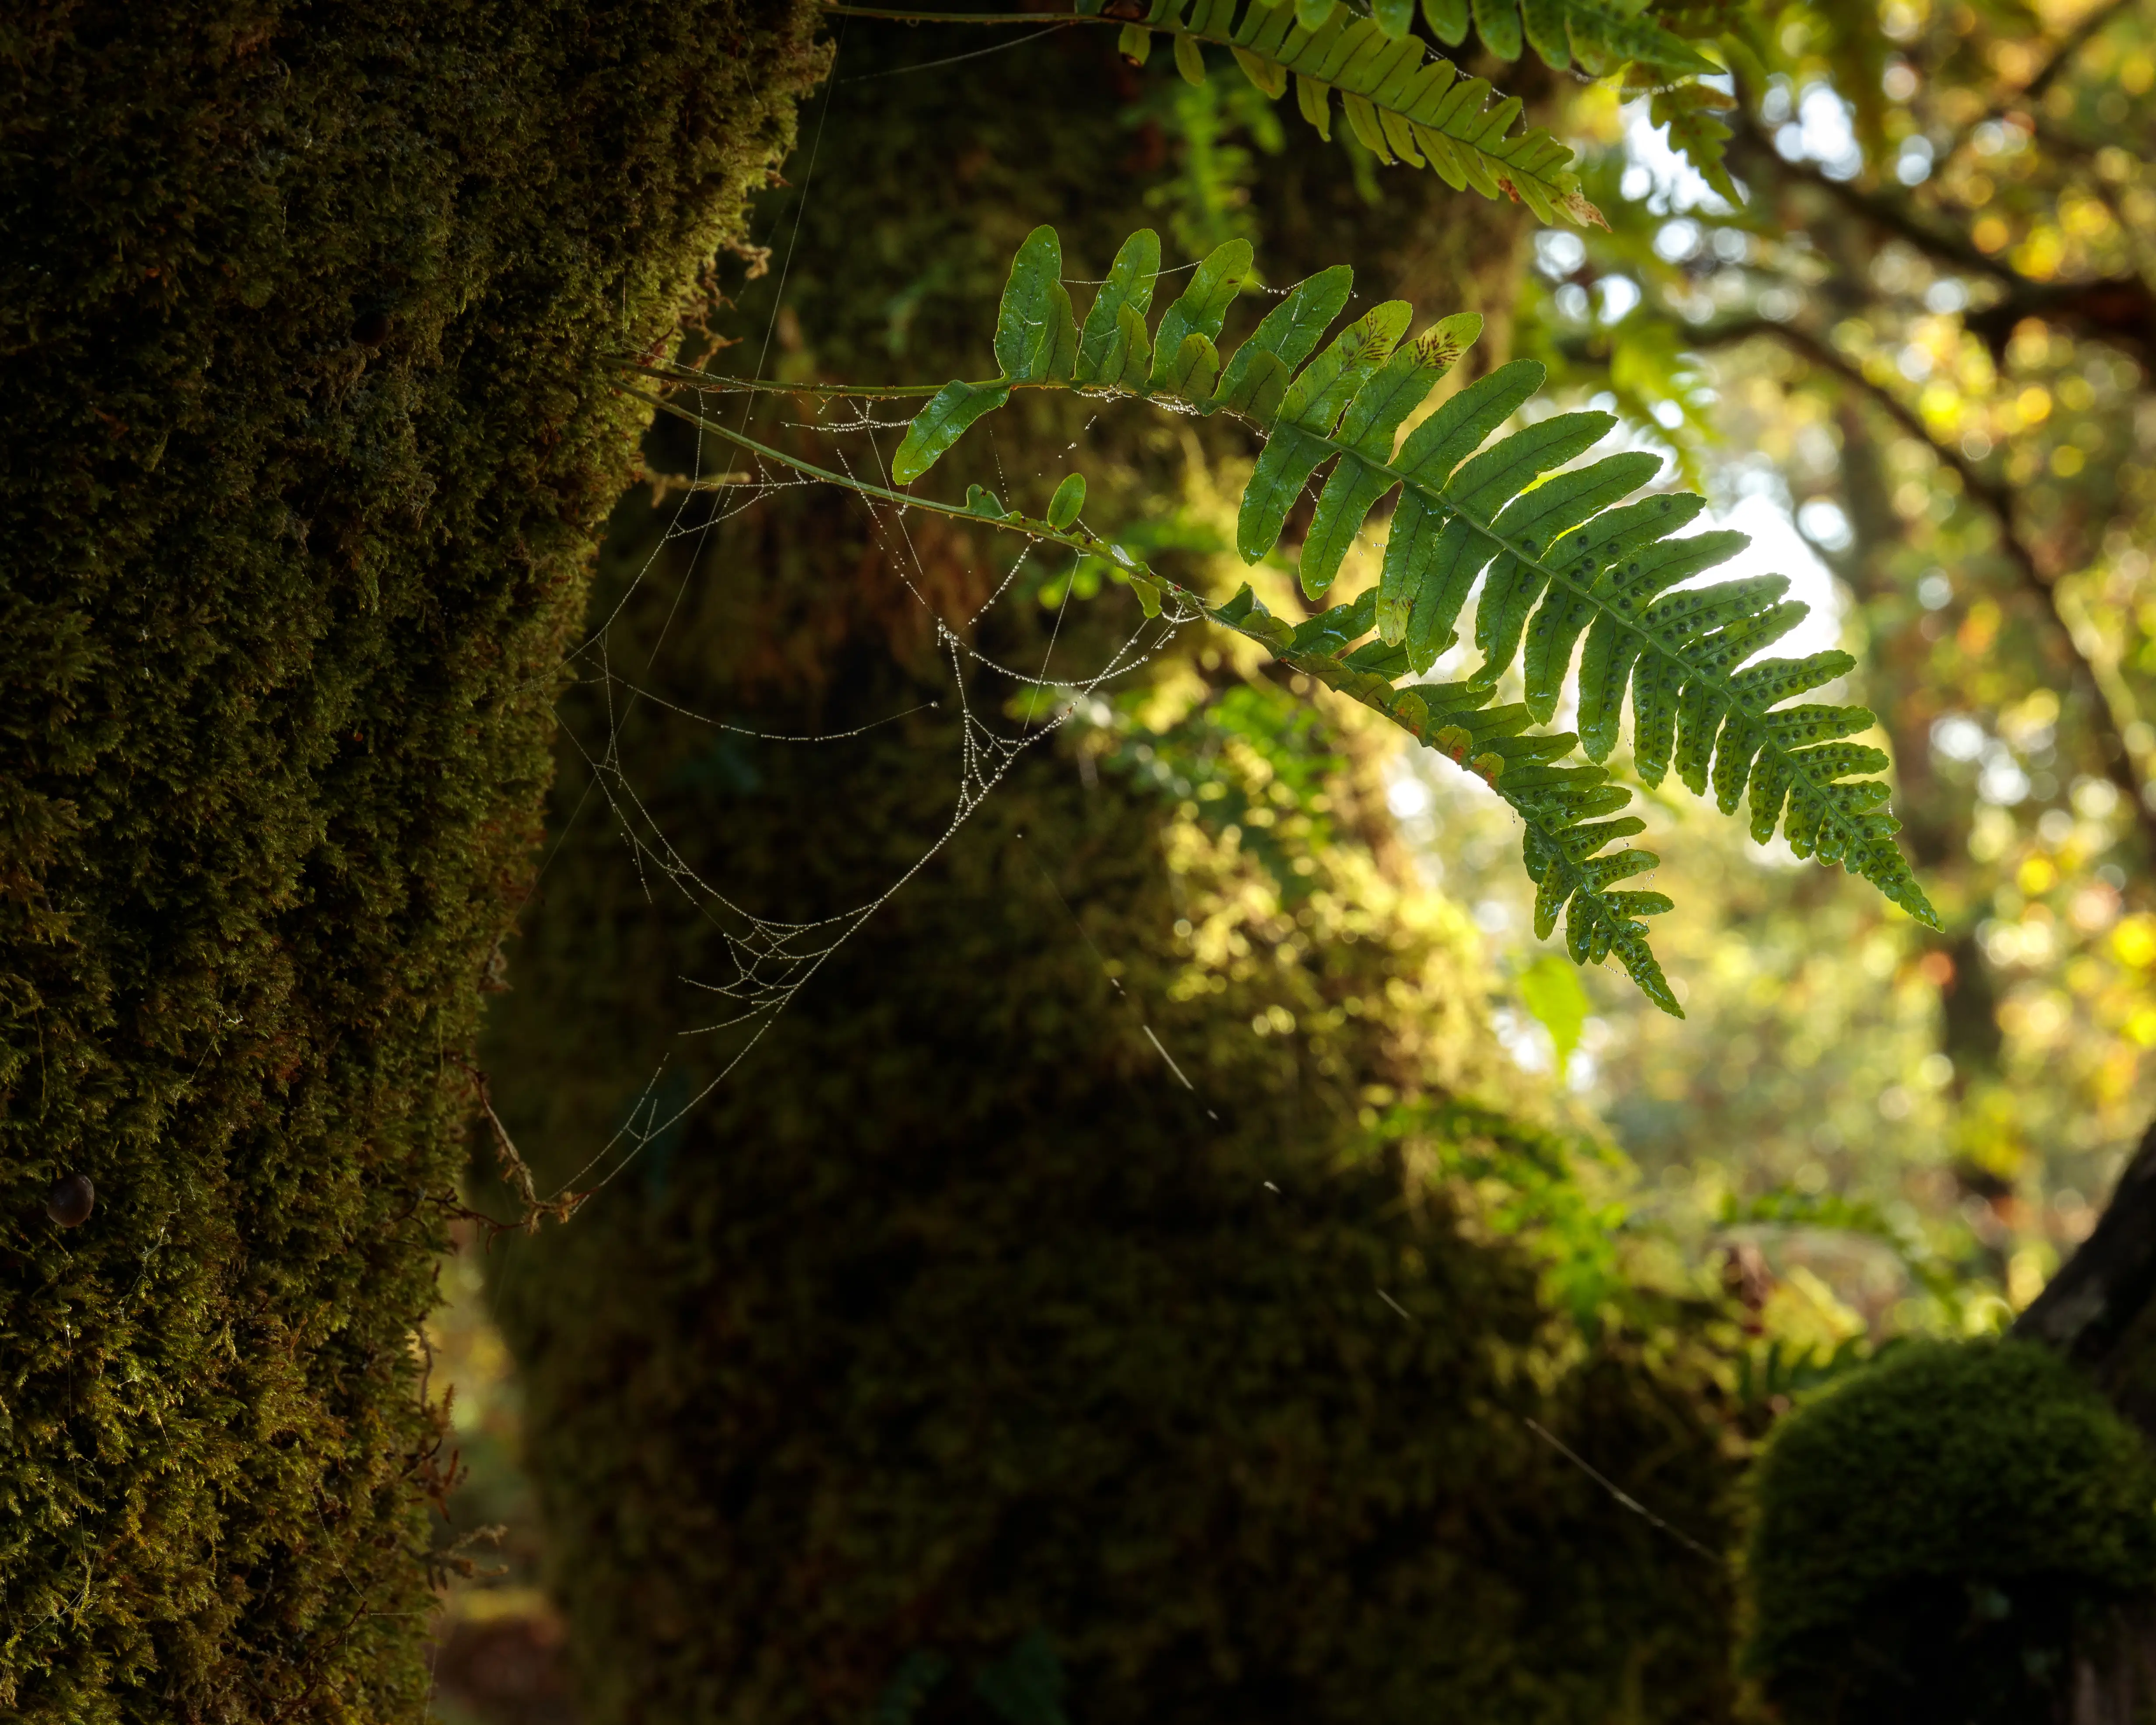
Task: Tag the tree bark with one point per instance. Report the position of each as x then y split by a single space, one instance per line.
957 1345
308 312
2098 1310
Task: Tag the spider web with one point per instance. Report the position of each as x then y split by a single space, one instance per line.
768 960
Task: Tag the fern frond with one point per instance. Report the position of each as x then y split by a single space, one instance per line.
1563 554
1405 103
1555 556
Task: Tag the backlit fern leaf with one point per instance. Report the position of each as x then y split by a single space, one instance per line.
1403 103
1559 553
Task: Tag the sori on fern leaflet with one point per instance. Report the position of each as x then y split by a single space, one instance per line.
1559 555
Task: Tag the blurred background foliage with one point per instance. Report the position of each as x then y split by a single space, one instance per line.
1907 343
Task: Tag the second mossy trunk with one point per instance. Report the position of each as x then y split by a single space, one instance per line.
1040 1321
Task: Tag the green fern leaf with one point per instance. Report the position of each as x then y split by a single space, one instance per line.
1402 104
1310 409
1567 565
1035 328
1613 37
1603 36
1288 336
1497 22
1367 428
1689 111
1448 20
1393 17
1189 59
1561 806
940 425
1516 580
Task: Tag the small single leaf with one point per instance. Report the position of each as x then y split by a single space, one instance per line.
1552 991
1035 307
1269 75
1394 17
1350 493
940 425
1068 499
1497 22
1135 44
1259 384
1546 30
1189 58
1363 118
1448 20
1284 467
980 500
1137 349
1191 375
1314 99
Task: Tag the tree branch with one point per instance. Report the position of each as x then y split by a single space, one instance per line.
2088 1310
1891 215
2071 45
1998 497
2118 309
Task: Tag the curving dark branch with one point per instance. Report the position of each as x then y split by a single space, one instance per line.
2071 45
1998 497
2117 309
2095 1310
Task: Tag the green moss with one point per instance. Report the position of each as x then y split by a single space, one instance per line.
1937 1535
952 1355
306 313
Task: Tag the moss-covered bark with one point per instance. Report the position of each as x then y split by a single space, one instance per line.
307 433
953 1349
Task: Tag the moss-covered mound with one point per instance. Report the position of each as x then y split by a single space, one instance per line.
306 312
1937 1535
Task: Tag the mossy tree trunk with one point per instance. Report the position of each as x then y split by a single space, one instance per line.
953 1358
308 312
